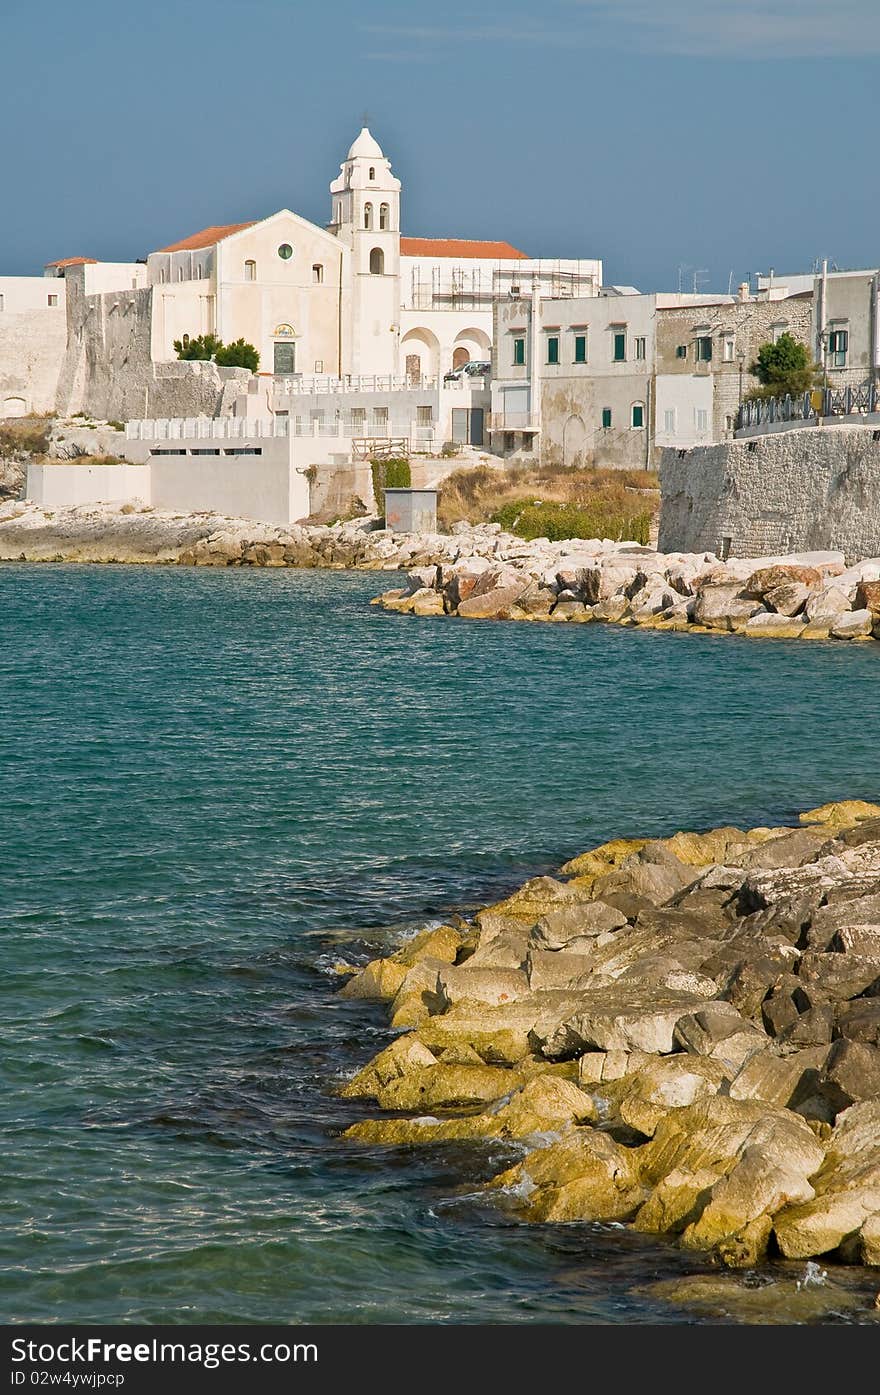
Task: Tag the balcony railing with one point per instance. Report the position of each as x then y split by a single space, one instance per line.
862 400
513 421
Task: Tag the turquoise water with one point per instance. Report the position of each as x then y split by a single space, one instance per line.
215 784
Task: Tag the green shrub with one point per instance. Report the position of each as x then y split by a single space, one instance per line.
537 518
203 347
389 474
117 425
238 354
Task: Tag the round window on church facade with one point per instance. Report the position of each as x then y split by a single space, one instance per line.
285 251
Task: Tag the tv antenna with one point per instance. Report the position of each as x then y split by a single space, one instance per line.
701 275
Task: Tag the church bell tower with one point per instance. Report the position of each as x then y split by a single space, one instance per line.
365 216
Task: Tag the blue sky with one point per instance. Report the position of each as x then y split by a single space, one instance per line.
720 136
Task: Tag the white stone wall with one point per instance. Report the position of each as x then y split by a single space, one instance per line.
79 484
816 488
33 336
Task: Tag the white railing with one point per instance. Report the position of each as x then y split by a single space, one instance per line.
513 421
363 382
206 428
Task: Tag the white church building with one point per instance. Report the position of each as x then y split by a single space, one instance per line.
322 305
356 298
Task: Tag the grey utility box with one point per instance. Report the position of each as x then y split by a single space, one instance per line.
411 510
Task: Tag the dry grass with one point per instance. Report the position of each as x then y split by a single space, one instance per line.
609 499
25 435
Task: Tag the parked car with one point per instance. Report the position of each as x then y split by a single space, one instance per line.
475 368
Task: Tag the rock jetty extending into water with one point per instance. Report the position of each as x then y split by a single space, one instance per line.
681 1034
808 596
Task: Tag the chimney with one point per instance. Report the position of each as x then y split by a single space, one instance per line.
743 291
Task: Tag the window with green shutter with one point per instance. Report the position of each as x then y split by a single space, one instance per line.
704 348
519 351
553 349
638 415
606 416
620 347
580 348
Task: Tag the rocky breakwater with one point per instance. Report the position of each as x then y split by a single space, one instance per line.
682 1034
811 596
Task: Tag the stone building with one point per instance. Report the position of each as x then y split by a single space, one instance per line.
611 380
704 350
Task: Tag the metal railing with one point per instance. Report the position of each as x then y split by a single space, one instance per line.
809 407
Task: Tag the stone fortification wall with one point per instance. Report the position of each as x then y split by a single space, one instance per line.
108 372
792 491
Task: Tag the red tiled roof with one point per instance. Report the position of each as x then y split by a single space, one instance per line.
73 261
458 247
206 238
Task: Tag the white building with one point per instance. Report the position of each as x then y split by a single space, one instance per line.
354 299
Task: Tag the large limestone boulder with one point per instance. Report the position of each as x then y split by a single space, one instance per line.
481 985
621 1019
545 1103
579 921
586 1176
378 981
664 1083
768 579
852 624
497 604
403 1056
597 862
718 1030
737 1217
768 625
847 1189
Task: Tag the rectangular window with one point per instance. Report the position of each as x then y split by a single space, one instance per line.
640 348
204 450
638 416
519 352
424 416
244 450
606 417
619 353
838 344
380 416
580 348
358 417
2 303
317 274
681 351
319 365
701 419
729 347
53 300
669 421
703 348
553 348
250 271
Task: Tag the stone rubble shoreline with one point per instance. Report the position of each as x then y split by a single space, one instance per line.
678 1034
479 572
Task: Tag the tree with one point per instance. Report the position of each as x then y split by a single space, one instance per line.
204 347
238 354
783 367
